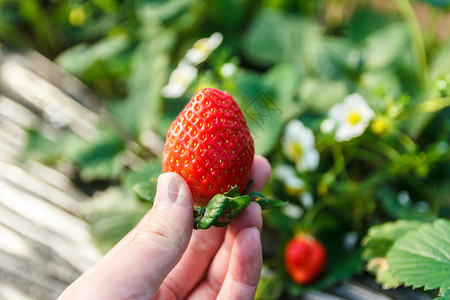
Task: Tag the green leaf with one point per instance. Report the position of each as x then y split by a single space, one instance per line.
444 293
320 94
265 202
337 58
49 150
383 274
422 257
237 204
215 208
149 73
385 45
275 37
380 238
282 82
233 192
146 191
390 202
264 116
378 242
365 21
111 215
101 159
81 57
142 173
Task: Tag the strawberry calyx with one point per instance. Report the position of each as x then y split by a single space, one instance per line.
229 205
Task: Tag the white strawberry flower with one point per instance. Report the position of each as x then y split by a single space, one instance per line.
292 211
203 48
228 70
179 80
293 185
349 119
299 146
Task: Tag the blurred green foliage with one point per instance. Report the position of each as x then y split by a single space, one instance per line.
300 59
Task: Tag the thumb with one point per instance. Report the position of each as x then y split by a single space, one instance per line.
140 262
163 235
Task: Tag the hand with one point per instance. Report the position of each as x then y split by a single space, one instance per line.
163 258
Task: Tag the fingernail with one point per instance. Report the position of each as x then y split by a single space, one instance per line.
170 191
167 189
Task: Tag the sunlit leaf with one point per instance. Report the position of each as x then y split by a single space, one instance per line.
421 258
378 242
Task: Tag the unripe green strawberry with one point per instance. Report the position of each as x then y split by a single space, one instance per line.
305 259
209 145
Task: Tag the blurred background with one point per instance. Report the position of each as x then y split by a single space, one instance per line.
348 99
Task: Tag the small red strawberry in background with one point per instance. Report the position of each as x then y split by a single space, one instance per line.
305 259
210 146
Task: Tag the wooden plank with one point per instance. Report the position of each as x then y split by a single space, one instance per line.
19 177
17 113
56 106
51 72
37 220
55 178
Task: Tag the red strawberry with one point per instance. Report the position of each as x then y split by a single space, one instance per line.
209 145
305 259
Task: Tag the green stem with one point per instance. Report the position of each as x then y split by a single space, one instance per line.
383 148
311 214
406 10
428 106
406 141
339 161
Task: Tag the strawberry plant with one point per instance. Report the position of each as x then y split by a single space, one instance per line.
349 101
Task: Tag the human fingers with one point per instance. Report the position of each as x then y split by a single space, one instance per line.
211 284
260 173
138 268
192 266
245 265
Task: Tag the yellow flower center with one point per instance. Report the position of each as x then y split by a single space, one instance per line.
296 151
354 117
293 191
181 79
200 46
380 125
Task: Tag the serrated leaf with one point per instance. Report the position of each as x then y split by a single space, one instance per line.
377 243
383 275
444 292
146 191
380 238
422 257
